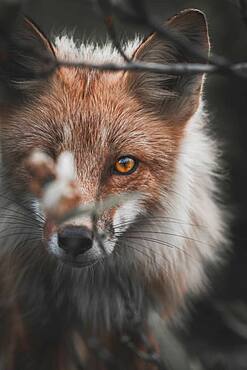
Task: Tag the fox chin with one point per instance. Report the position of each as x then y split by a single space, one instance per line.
141 132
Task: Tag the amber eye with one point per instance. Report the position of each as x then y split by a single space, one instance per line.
125 165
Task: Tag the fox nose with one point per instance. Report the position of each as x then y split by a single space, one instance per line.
75 240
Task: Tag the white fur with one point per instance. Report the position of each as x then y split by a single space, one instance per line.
126 214
194 203
91 52
191 230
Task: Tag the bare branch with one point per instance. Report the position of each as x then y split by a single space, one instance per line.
136 14
173 68
108 20
133 11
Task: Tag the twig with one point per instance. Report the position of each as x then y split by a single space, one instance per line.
149 356
173 68
55 184
216 64
108 20
138 15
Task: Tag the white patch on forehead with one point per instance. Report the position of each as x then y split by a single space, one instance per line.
126 214
67 49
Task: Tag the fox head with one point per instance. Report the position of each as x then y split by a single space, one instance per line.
129 132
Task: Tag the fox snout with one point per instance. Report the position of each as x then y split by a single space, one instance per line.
75 240
77 246
78 243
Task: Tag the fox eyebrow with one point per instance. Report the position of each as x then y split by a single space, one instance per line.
138 144
128 140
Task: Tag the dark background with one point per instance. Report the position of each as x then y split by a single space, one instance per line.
218 330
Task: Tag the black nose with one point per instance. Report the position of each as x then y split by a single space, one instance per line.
75 240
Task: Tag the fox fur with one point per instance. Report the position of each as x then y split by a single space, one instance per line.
159 244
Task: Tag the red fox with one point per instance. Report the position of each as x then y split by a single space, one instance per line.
129 132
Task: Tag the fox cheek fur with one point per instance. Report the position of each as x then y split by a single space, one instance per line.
160 242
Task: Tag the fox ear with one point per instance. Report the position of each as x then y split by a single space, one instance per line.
26 58
170 94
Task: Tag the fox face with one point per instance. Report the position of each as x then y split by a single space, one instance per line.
117 148
129 132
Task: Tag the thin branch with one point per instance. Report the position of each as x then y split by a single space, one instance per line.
218 65
136 14
149 355
173 68
112 33
133 11
108 20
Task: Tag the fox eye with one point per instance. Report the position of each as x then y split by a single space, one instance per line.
125 165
